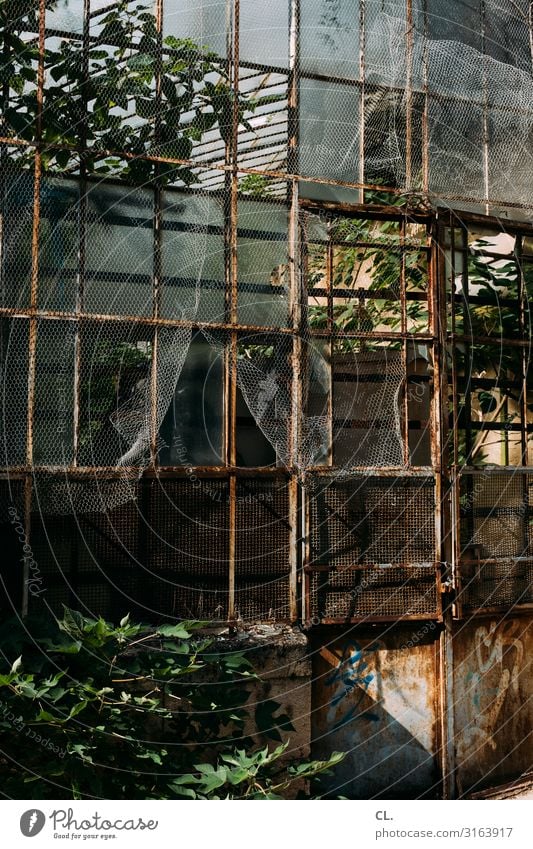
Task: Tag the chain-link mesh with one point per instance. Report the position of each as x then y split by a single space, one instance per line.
163 307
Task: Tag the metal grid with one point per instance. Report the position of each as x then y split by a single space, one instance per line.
371 521
373 594
164 554
488 330
174 222
372 549
496 554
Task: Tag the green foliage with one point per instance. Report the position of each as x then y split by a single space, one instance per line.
373 267
245 776
89 709
124 99
255 185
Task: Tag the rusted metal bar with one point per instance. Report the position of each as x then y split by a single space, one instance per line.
486 141
378 213
408 94
489 470
362 95
403 325
134 473
34 282
157 270
371 618
359 334
82 219
376 471
373 567
425 111
523 314
503 611
145 320
232 154
295 306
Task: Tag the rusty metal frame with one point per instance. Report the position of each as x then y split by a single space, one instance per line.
228 168
522 344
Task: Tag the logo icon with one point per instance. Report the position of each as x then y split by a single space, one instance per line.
32 822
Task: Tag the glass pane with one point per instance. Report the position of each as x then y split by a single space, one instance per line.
455 151
507 33
59 245
16 216
192 255
317 442
263 268
67 15
330 114
509 142
367 380
53 425
202 21
329 38
385 54
455 20
192 429
14 334
119 251
264 33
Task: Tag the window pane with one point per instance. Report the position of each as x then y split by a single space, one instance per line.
119 251
262 264
59 245
14 334
202 21
53 427
264 33
329 38
192 256
455 149
330 114
16 215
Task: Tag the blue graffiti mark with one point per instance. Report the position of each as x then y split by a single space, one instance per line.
352 675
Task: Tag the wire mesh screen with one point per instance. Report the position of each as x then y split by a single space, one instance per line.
262 563
372 548
88 561
496 557
188 546
162 554
185 284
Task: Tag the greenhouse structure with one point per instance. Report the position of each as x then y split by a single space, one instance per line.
265 333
